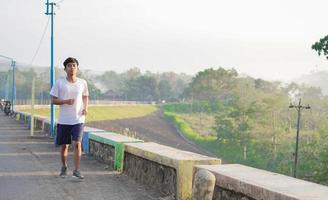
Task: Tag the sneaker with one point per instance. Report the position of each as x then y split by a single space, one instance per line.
63 172
77 174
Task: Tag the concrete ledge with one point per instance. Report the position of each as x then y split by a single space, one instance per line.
234 181
115 142
47 126
26 119
38 123
85 139
182 161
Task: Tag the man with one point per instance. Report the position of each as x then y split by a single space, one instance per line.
71 94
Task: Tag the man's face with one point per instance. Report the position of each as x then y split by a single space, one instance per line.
71 69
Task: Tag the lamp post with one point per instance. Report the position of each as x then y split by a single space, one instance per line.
52 72
13 85
298 107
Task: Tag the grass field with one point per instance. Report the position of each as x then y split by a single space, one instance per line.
202 123
100 113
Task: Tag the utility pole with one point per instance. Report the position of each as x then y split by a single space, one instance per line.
298 107
52 72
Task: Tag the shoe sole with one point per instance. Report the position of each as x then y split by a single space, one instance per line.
78 177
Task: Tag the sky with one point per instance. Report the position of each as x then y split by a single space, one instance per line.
268 39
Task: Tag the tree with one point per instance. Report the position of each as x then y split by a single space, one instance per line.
321 47
165 90
234 125
110 80
142 88
212 84
94 92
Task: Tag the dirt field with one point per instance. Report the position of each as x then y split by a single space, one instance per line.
151 128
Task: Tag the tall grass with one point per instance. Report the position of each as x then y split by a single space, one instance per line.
206 142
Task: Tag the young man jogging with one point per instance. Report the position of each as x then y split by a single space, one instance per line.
71 94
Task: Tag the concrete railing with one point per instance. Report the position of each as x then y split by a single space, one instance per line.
234 181
109 147
182 163
173 172
85 139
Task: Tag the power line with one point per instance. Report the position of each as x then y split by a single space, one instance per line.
40 42
58 2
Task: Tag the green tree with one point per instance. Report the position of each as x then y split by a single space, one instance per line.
321 47
110 80
142 88
165 90
212 84
178 83
234 125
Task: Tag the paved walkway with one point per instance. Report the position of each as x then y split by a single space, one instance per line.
29 168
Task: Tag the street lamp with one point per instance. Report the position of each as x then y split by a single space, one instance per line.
13 87
50 11
298 107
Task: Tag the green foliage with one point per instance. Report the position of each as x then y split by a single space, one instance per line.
165 90
177 107
142 88
255 127
194 107
212 84
94 92
129 85
321 47
182 125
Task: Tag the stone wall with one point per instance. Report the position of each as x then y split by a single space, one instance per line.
157 176
38 123
102 152
224 194
46 127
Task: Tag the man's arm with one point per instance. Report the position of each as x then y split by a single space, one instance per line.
85 100
57 101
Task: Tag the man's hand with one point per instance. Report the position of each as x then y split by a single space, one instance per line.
84 111
69 101
57 101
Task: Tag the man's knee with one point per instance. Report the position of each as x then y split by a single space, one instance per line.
64 147
77 145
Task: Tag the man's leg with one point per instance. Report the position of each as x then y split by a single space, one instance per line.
63 138
77 154
77 134
77 159
63 154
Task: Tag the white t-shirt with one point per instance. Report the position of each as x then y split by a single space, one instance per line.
62 89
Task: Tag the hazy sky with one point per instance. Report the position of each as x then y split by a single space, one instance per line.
268 39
